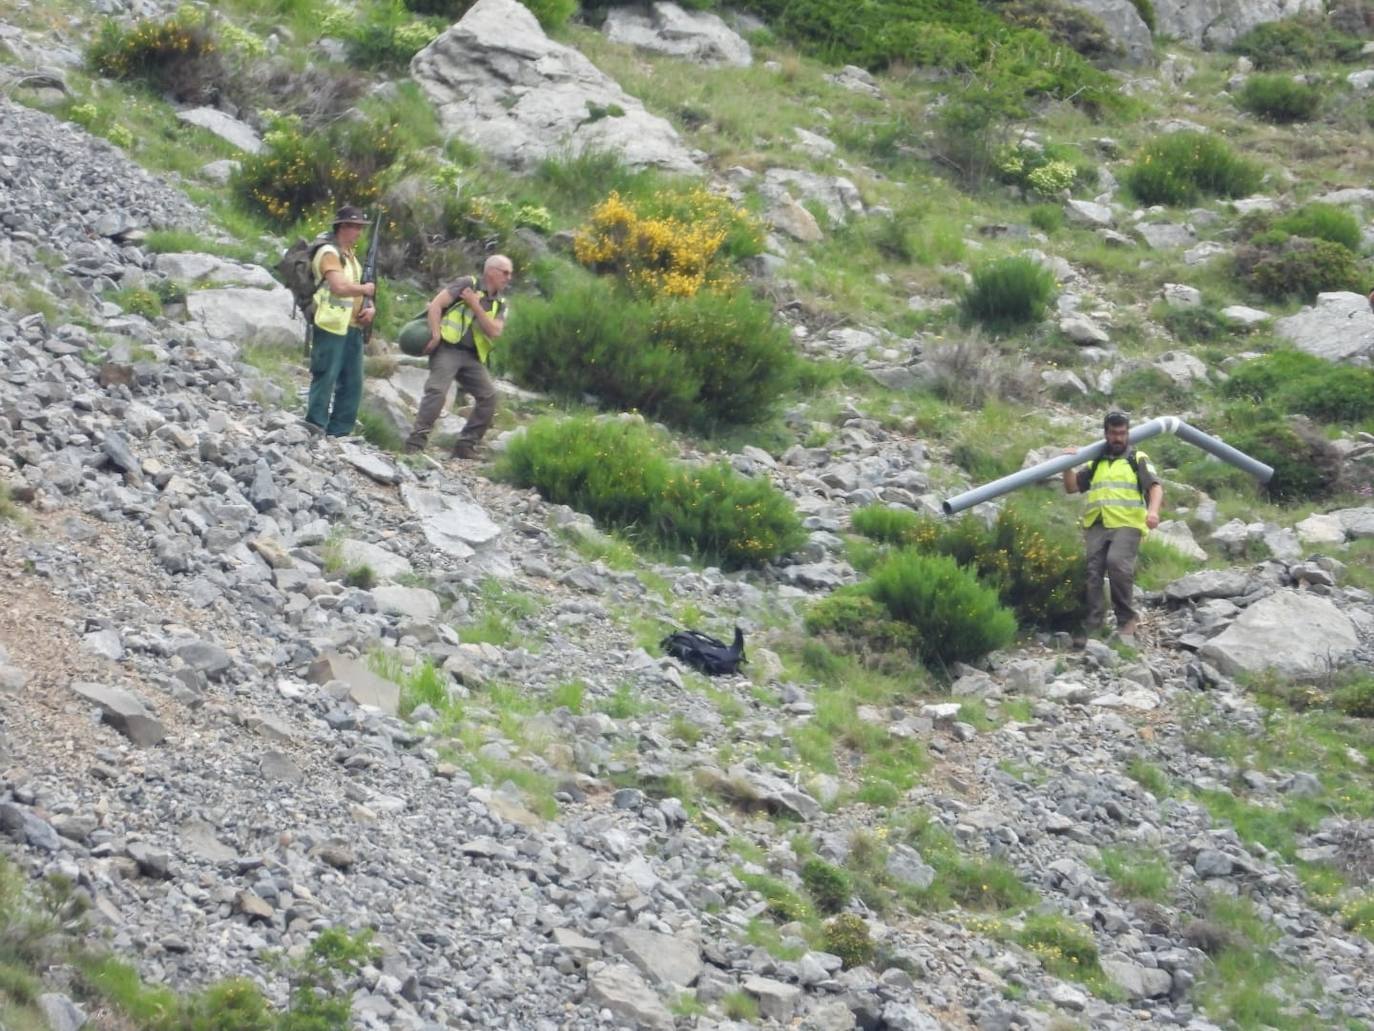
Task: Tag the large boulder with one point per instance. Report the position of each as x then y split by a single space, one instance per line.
1124 24
1216 24
665 28
241 315
1338 327
498 83
1296 634
209 270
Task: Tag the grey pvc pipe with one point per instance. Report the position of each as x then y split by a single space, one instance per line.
1164 424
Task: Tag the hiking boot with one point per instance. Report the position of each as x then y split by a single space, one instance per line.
312 429
465 452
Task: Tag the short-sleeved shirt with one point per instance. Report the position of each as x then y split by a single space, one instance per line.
457 287
328 260
1148 477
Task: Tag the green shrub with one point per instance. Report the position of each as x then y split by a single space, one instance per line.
1029 564
1296 43
1319 221
177 56
736 520
1306 466
1356 698
886 524
1279 98
958 619
1008 292
1064 24
828 885
386 37
617 471
1047 172
1299 382
848 937
300 175
450 10
1176 168
703 361
1297 267
1048 218
960 35
853 623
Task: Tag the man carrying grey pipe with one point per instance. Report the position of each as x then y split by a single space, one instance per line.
1124 496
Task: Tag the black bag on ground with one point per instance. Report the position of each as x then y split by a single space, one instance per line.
703 652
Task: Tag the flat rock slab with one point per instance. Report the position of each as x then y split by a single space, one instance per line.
1219 583
1340 326
122 711
364 686
621 990
226 127
1316 635
194 267
386 565
370 465
413 602
454 526
1358 522
665 960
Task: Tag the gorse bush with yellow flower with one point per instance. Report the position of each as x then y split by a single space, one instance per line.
1033 571
676 244
618 471
179 56
716 358
306 175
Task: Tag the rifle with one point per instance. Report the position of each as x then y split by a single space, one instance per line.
370 271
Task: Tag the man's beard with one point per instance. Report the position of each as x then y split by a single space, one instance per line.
1116 449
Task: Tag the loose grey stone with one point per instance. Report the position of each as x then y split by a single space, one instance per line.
122 711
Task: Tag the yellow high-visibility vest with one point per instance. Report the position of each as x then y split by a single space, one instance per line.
1114 494
459 317
333 314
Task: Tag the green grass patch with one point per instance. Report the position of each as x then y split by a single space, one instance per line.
1177 168
1138 873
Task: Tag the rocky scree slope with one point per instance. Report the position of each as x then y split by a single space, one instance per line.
188 733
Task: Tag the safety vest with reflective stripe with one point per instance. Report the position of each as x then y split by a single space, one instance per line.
459 317
333 314
1114 494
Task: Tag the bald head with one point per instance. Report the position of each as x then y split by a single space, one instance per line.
496 273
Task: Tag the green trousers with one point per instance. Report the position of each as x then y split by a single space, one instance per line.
336 372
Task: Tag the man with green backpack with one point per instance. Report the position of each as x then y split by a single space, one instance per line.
1124 495
464 319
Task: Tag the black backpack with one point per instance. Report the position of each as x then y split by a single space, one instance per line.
703 652
297 272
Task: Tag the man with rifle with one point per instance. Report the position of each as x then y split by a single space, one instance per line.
343 315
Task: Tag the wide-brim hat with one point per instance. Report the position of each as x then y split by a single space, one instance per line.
350 214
